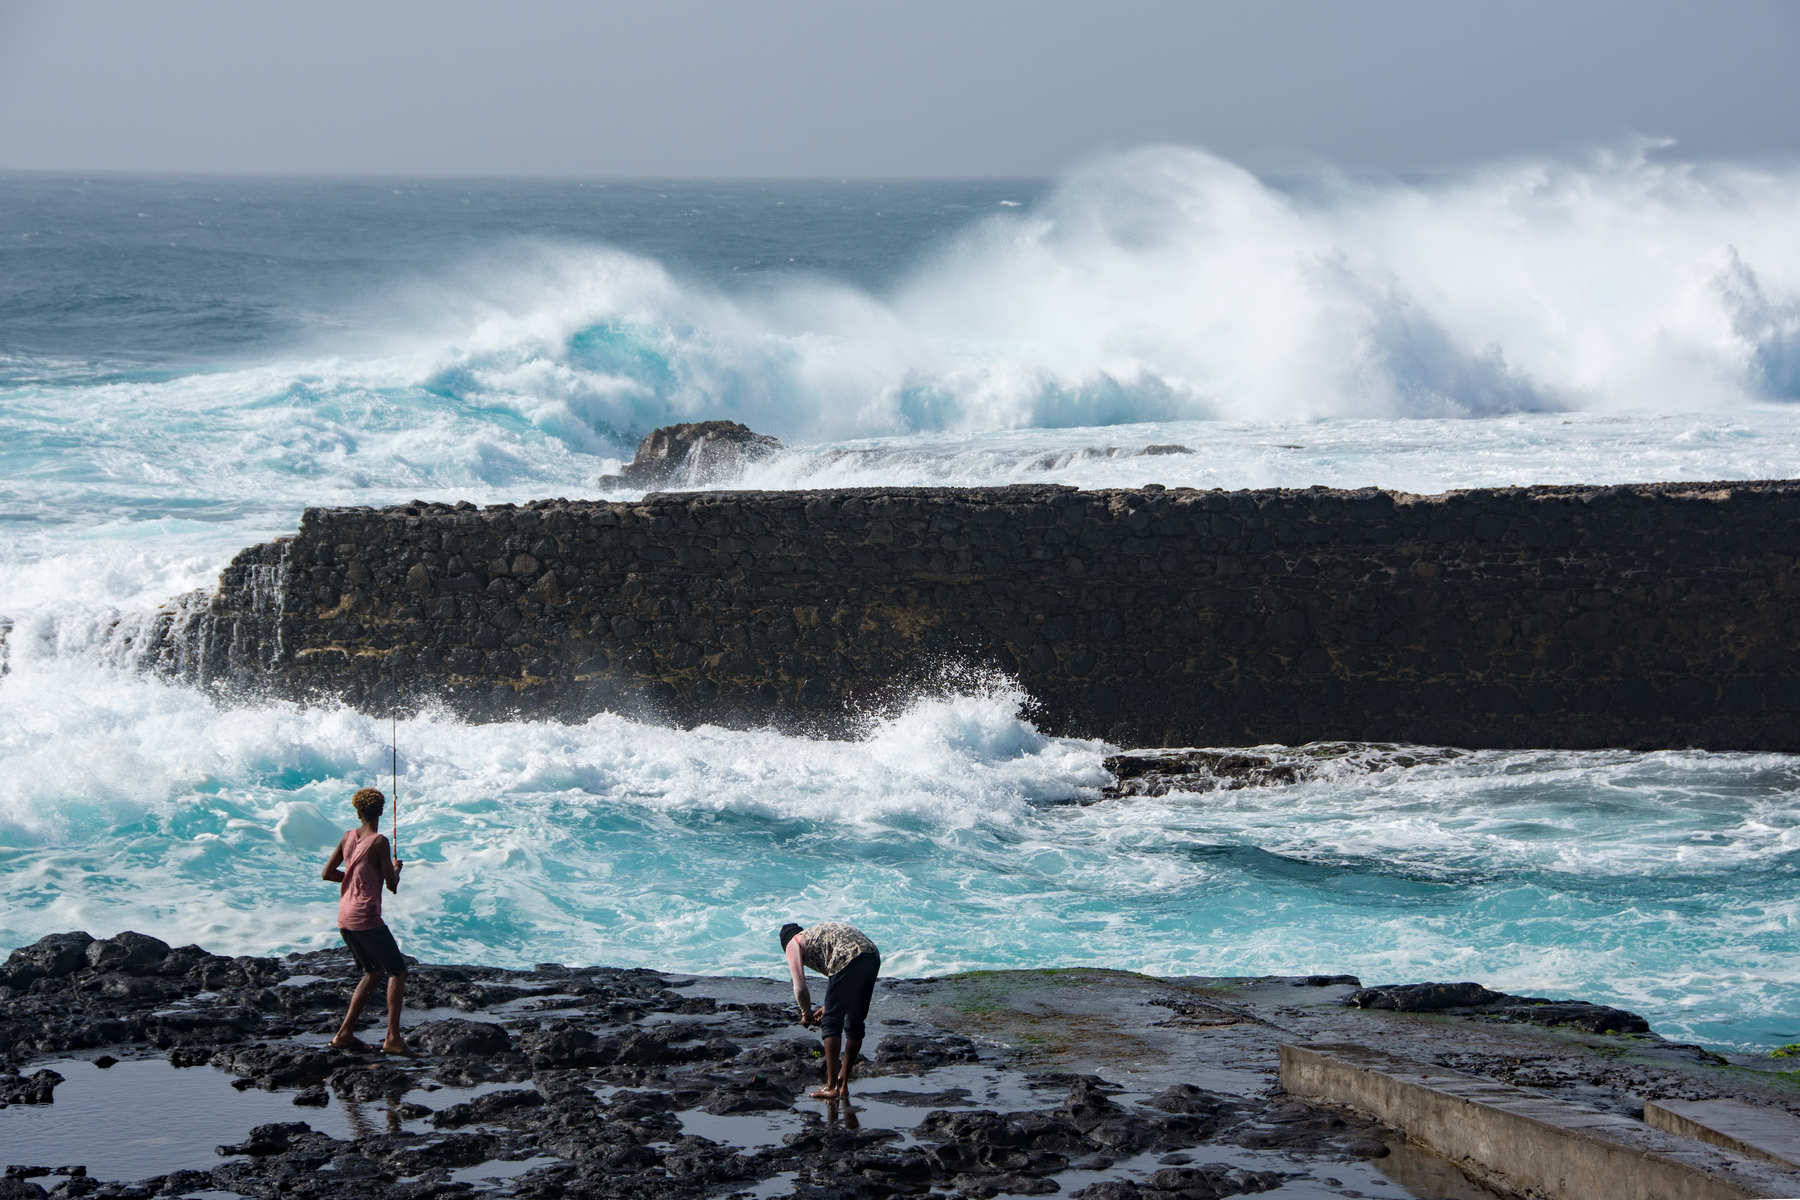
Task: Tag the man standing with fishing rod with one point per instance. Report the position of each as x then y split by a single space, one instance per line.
361 865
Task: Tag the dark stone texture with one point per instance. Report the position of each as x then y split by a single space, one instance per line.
39 1087
1643 616
52 956
1158 772
1471 999
605 1078
695 452
457 1036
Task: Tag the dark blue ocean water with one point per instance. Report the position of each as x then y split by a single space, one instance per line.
132 273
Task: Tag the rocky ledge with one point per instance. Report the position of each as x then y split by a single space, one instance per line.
1159 772
564 1081
693 454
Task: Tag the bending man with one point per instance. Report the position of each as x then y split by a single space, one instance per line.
850 963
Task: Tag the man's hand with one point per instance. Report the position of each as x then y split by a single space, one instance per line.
818 1016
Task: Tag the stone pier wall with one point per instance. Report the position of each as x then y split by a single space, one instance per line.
1640 616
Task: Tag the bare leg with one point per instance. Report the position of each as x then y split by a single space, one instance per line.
346 1038
852 1051
396 996
833 1083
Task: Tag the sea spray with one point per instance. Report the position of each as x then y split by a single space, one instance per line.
951 830
1619 317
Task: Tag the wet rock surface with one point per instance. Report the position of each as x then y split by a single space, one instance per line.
1159 772
692 453
629 1083
1472 999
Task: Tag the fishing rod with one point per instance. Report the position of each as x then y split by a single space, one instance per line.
394 747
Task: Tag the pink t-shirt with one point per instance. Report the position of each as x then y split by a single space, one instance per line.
359 896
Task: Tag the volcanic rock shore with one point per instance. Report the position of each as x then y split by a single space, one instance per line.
562 1081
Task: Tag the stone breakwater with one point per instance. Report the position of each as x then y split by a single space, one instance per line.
1645 616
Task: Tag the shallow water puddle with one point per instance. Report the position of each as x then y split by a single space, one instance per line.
745 1131
143 1117
1323 1180
875 1103
500 1170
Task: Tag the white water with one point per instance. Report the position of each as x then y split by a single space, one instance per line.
1619 318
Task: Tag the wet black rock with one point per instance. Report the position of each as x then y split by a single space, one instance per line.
1158 772
1471 999
1187 1099
1210 1182
272 1067
564 1044
373 1082
982 1144
128 952
938 1099
755 1094
1578 1014
50 957
1005 1183
268 1139
458 1036
788 1060
692 453
36 1088
1295 1125
918 1052
493 1106
1422 997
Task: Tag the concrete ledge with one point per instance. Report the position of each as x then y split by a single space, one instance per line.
1771 1134
1524 1142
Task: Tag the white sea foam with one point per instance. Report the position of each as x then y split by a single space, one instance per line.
1166 284
1623 317
130 802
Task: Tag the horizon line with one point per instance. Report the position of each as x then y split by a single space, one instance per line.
539 177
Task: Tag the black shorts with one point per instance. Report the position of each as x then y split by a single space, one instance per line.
847 996
375 950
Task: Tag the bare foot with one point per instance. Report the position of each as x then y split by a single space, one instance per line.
826 1093
395 1046
351 1043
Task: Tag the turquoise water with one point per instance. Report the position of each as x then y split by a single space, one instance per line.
186 364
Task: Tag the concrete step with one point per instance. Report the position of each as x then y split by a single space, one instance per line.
1771 1134
1527 1142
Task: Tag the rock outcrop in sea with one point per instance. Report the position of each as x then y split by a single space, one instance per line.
694 454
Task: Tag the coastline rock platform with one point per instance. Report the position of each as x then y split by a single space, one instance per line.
567 1081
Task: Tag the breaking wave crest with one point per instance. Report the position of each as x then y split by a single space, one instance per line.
1660 882
1170 284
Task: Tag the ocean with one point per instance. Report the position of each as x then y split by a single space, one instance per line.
187 363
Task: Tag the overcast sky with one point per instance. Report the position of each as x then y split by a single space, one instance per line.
842 88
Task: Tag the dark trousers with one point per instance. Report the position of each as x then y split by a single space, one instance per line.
847 996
